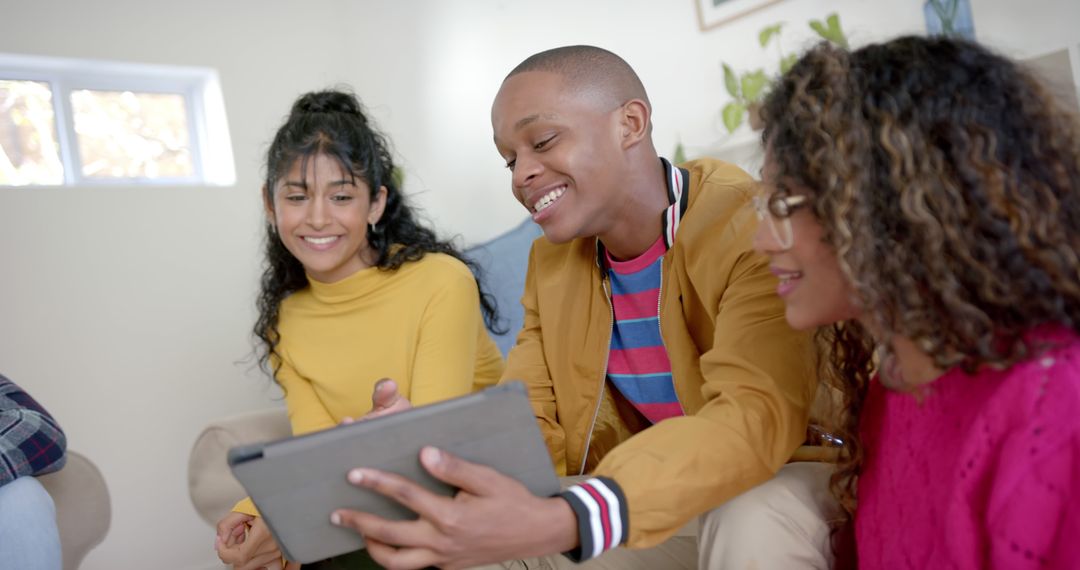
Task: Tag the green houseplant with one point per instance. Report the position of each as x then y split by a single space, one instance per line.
748 88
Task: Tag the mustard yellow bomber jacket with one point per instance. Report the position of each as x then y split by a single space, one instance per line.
744 378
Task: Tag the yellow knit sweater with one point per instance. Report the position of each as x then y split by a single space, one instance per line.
420 325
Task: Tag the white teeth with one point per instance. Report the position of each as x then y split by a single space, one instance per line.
320 240
788 277
547 199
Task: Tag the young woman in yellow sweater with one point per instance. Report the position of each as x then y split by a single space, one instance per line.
355 290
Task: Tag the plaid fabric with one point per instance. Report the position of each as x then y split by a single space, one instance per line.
31 442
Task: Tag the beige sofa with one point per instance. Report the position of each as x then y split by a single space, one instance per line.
83 509
211 486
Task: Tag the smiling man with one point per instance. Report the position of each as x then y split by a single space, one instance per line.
655 349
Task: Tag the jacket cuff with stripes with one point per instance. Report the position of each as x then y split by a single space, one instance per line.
603 522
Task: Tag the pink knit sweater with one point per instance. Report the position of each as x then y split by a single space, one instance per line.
979 471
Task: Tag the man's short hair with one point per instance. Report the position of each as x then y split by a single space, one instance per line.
588 67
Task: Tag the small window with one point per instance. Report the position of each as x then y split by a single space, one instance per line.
28 149
77 122
132 135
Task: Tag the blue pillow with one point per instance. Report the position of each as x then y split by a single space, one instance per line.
504 261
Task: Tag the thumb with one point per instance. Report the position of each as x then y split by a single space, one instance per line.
473 478
385 394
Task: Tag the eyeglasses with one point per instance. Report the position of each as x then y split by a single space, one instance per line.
775 211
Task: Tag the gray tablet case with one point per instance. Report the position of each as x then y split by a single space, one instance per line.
297 482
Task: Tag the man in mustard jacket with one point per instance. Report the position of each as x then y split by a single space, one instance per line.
655 350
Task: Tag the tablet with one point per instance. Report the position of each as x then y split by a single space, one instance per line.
297 482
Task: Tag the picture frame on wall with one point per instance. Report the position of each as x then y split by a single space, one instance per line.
1060 73
716 13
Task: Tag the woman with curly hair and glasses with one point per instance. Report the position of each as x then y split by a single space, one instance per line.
355 289
922 196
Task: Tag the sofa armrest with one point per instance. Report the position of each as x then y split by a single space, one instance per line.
83 509
211 485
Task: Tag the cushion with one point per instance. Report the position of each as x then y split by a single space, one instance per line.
211 485
503 262
83 511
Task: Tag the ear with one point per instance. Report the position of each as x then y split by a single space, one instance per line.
268 205
375 212
635 122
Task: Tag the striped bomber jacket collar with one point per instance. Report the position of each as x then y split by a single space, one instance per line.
678 192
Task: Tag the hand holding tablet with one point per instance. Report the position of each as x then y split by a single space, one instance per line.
492 518
298 482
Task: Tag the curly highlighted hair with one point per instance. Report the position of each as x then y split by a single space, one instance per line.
947 180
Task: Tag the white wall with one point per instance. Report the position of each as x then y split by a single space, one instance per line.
125 309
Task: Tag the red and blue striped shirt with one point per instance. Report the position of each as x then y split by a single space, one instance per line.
638 365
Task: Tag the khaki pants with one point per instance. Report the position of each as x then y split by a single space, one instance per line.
782 524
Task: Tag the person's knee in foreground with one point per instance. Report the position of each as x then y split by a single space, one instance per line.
31 443
922 195
654 345
355 289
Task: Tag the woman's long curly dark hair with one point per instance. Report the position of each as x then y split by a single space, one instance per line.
946 179
333 123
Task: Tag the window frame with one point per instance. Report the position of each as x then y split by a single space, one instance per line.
208 134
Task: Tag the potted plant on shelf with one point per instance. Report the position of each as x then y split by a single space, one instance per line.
747 89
